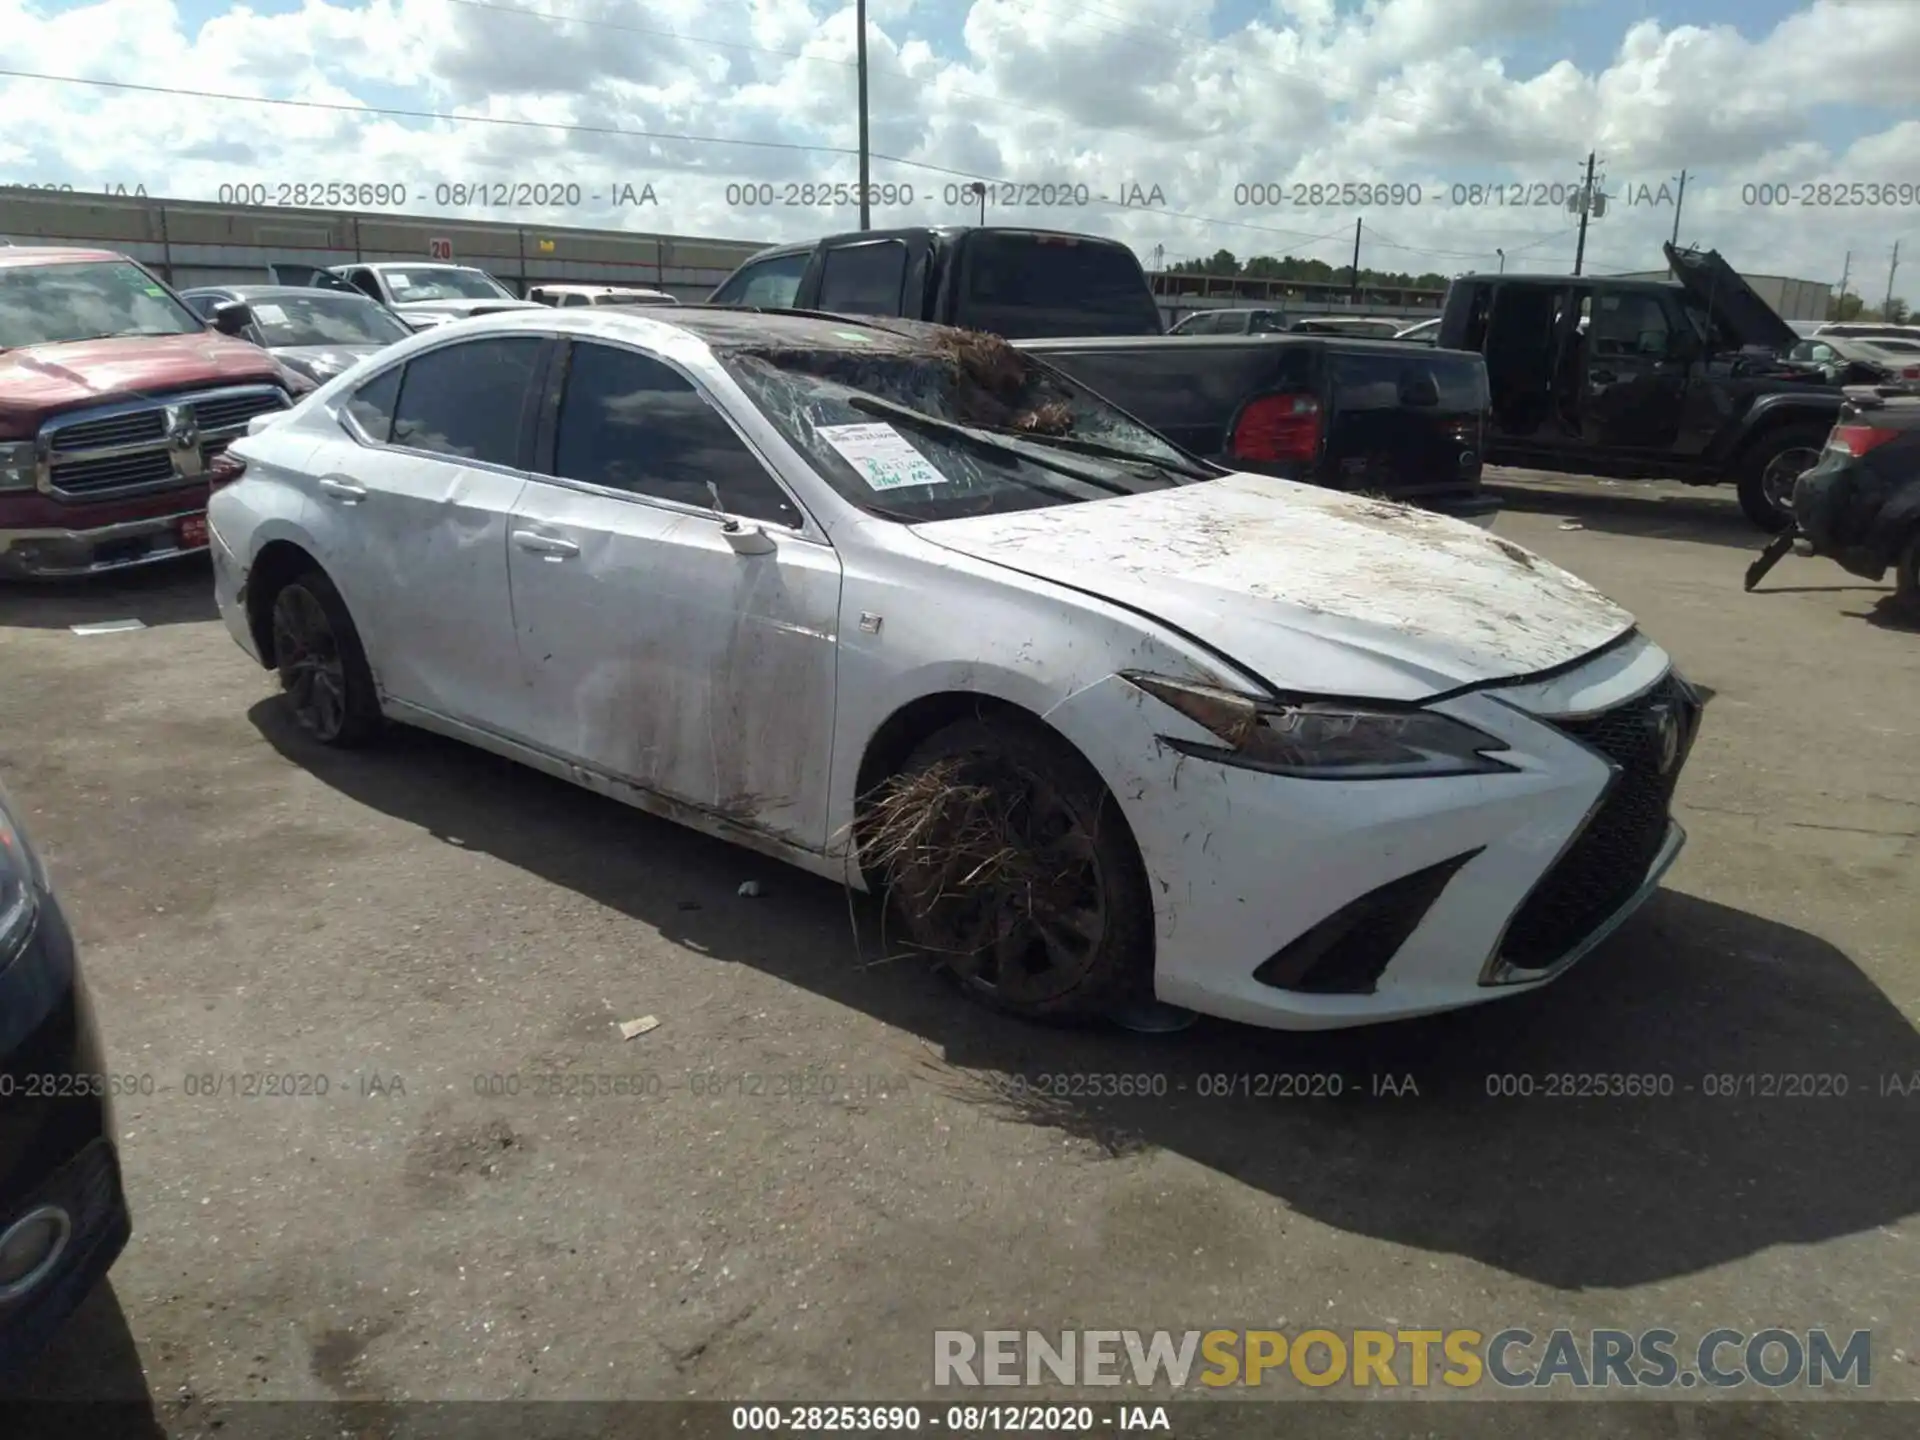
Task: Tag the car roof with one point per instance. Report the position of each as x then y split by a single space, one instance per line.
16 255
275 292
726 327
408 265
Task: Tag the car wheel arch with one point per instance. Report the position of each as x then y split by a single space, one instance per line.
903 731
278 562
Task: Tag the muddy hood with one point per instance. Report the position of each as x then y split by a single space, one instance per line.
40 380
1310 589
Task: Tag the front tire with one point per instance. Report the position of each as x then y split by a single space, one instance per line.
1002 852
1769 469
323 668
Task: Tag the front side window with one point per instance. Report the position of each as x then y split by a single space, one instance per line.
1629 325
629 422
766 285
865 279
86 300
465 400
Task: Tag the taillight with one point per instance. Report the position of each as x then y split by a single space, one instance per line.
225 469
1277 427
1912 372
1857 440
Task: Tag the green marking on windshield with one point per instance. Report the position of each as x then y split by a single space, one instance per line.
853 335
156 290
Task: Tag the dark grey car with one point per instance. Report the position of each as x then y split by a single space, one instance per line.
318 333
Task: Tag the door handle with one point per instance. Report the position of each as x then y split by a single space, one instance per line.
347 490
546 546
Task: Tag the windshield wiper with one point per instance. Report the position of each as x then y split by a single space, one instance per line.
985 440
1107 452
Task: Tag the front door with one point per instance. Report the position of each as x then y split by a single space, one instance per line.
1635 387
650 648
412 511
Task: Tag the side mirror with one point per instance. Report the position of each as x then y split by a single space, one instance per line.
232 317
747 542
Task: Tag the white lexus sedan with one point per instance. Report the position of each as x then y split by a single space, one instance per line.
913 611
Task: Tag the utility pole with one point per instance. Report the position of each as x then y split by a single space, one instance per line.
1887 308
1503 260
1846 269
1353 286
1679 200
1586 208
860 20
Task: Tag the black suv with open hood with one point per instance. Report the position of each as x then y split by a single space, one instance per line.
1684 379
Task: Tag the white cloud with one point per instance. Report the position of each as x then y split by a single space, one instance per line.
1051 91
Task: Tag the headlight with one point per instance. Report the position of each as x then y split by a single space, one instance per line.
18 877
18 465
1325 740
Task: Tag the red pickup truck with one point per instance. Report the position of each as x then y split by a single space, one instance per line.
115 399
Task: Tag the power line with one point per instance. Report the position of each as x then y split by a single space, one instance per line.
339 107
574 127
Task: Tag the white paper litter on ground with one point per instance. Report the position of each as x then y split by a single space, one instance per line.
884 457
631 1028
107 627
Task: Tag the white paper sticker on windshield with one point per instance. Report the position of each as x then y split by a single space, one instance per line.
882 455
272 314
399 281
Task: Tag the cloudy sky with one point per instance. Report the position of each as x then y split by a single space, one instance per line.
1179 126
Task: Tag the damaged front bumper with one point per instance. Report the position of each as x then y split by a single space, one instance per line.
47 553
1303 904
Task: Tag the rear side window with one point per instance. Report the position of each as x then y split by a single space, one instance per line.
466 400
372 405
768 284
629 422
864 279
1030 287
1380 382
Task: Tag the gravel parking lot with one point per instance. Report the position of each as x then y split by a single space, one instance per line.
830 1155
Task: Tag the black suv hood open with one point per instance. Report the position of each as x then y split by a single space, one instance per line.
1737 305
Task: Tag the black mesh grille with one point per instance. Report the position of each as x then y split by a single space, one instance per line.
130 429
1602 869
114 472
1346 953
230 411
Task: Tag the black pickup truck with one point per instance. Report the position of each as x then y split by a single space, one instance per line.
1684 379
1397 421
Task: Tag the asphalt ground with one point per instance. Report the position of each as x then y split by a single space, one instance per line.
824 1154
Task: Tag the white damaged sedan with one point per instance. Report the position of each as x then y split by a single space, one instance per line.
911 610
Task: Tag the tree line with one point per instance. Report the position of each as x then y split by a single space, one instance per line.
1291 267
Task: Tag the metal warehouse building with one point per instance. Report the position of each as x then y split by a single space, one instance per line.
1791 299
189 242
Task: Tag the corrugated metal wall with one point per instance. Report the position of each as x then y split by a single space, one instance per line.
193 243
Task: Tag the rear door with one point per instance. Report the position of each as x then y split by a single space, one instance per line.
1407 423
410 511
